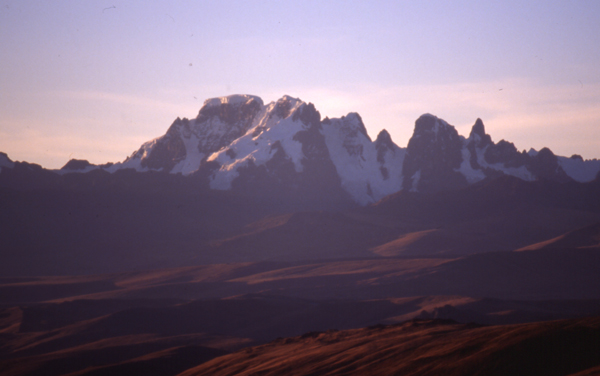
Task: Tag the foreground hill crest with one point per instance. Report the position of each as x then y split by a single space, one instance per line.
238 142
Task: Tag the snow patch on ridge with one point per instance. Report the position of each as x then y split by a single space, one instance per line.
520 172
193 157
472 175
135 160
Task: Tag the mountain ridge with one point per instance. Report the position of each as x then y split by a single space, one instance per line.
239 143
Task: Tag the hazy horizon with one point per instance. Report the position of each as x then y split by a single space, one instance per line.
94 80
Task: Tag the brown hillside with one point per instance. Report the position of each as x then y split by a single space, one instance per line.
586 237
423 348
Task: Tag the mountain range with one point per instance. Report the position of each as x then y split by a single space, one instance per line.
239 143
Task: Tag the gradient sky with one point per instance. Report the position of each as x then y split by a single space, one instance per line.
95 79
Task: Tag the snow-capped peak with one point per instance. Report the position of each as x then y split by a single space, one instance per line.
235 99
187 143
367 170
272 130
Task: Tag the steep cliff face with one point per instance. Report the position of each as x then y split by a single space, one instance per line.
433 157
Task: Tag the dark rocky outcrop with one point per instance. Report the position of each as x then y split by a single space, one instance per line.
432 157
544 165
169 150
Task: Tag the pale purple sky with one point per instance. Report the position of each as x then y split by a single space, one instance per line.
95 79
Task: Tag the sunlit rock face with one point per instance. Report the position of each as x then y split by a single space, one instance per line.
283 150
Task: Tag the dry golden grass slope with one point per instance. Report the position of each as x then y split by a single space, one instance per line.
424 348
